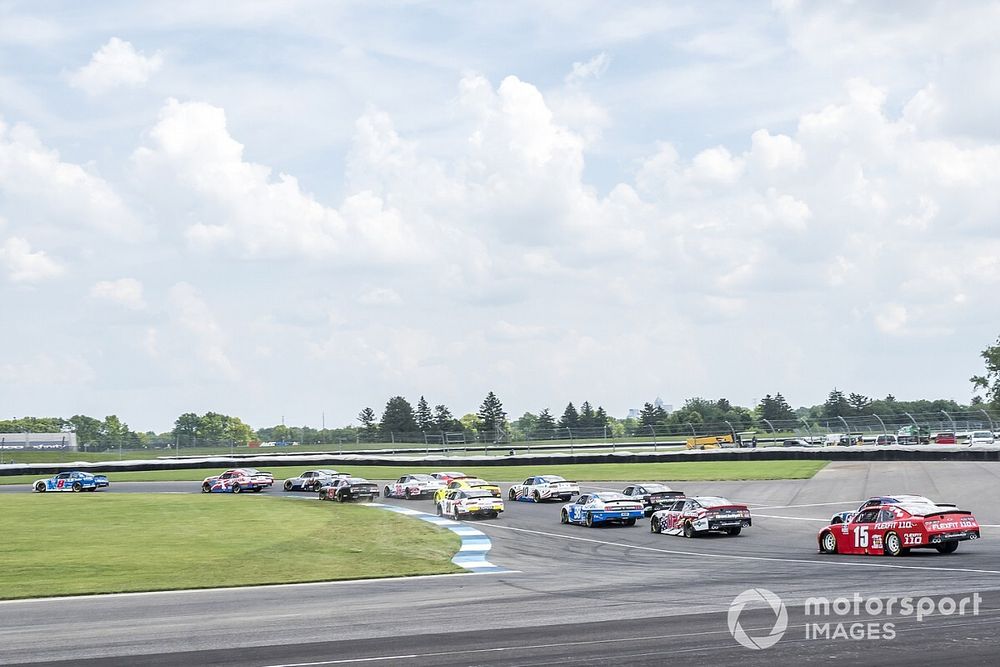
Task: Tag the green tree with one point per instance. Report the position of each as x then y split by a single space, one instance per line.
570 417
546 422
989 382
425 420
860 405
587 417
87 429
398 416
600 417
836 405
492 415
647 416
367 419
445 421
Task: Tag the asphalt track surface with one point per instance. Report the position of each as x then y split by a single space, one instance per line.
577 596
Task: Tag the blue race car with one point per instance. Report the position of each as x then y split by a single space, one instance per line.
605 507
74 481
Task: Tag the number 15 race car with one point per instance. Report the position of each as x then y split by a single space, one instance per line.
594 508
892 530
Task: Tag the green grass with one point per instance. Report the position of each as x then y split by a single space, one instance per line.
682 471
69 544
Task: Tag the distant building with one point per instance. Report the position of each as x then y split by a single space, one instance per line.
38 441
633 413
665 406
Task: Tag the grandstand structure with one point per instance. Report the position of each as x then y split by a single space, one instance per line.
21 441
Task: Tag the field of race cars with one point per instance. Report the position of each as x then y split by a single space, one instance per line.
619 590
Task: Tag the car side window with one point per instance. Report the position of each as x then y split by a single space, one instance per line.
528 481
868 516
689 506
627 491
678 506
885 516
582 500
401 480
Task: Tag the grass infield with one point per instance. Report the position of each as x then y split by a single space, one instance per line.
681 471
71 544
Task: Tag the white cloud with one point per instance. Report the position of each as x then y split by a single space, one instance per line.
592 69
379 296
117 63
124 291
24 266
46 370
197 332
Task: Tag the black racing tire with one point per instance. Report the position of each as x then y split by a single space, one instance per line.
406 494
828 543
564 517
40 487
947 547
654 525
77 487
237 489
288 485
454 513
733 532
206 488
385 492
440 512
510 494
321 495
689 530
536 497
590 520
493 514
629 522
892 545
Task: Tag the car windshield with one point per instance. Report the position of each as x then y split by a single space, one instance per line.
982 434
552 478
359 480
607 497
475 493
422 478
657 488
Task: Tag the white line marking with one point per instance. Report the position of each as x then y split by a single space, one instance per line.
789 507
697 554
789 518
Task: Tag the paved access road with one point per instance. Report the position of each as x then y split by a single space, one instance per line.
578 596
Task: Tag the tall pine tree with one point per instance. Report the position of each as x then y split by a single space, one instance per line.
570 418
425 420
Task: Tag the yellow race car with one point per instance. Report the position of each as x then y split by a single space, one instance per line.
467 483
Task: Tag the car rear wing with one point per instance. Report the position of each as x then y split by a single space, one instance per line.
945 512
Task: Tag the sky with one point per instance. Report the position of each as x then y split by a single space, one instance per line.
292 210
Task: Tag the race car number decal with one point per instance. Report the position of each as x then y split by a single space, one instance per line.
861 537
910 539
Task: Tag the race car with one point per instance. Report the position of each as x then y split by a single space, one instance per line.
653 496
605 507
893 529
543 487
345 489
312 480
448 476
694 516
892 499
417 485
467 483
75 481
236 480
265 479
463 502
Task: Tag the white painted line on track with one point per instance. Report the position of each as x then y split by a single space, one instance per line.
789 518
775 559
790 507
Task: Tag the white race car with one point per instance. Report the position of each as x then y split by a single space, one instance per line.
417 485
312 480
544 487
475 502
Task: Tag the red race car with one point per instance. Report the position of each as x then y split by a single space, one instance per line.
892 530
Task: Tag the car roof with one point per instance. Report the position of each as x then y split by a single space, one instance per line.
610 495
711 501
551 478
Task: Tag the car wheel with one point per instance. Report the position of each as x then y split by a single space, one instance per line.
206 488
40 487
564 517
947 547
733 532
535 496
406 494
629 522
510 494
828 543
440 512
892 546
688 530
493 515
654 525
77 487
385 492
454 513
288 486
237 488
321 496
590 520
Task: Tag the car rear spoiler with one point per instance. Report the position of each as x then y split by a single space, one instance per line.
946 511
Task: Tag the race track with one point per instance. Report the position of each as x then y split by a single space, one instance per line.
578 596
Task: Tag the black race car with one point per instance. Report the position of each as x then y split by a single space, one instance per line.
654 496
346 489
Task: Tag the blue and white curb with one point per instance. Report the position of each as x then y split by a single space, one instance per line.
475 543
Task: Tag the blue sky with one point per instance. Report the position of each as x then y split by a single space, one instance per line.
291 208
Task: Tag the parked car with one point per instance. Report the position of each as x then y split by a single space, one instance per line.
946 438
796 442
74 481
885 439
981 438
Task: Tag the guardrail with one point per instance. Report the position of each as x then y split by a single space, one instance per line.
855 453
